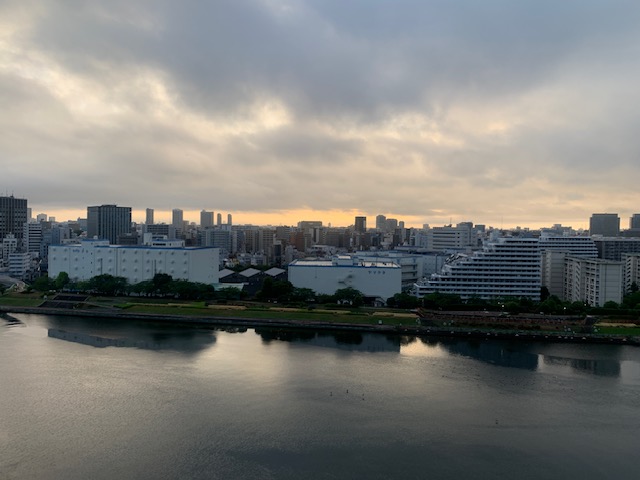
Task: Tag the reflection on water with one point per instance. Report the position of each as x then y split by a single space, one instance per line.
495 353
190 339
119 333
159 341
603 367
352 341
10 320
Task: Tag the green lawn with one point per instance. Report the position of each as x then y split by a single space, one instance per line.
20 301
199 310
627 331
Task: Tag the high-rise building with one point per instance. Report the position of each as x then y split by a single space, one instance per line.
13 216
32 237
108 221
206 219
229 219
634 221
149 217
361 224
219 219
593 280
381 222
605 224
177 219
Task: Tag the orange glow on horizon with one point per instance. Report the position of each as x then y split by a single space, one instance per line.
337 218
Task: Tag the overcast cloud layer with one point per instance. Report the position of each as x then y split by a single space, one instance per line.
493 111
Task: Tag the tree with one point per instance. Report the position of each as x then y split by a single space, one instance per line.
302 295
279 290
161 283
43 284
441 301
402 300
108 285
544 293
349 295
62 280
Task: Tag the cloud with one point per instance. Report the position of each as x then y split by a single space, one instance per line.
479 111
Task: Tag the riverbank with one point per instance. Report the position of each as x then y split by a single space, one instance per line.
304 323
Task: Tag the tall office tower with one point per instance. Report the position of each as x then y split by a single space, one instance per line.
391 224
108 221
634 221
381 222
177 219
361 224
206 219
13 216
219 219
32 237
149 217
605 224
29 214
229 222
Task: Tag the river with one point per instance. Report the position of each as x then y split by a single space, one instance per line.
93 398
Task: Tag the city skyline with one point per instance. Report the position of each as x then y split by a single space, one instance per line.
138 215
501 114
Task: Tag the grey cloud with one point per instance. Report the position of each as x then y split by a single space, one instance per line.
340 70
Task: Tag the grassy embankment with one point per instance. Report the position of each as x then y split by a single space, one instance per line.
247 310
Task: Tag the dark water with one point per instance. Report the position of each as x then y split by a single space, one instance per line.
94 399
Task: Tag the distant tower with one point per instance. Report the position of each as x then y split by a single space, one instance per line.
108 221
149 217
177 219
381 222
229 222
206 219
13 216
634 221
361 224
605 224
219 219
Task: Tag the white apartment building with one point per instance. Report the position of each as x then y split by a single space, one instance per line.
9 245
592 280
631 271
505 267
19 263
374 279
554 249
136 263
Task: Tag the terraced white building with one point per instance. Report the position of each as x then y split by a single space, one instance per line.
506 267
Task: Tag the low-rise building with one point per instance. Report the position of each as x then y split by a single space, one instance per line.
373 279
136 263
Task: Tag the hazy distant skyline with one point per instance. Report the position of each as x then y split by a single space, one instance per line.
496 112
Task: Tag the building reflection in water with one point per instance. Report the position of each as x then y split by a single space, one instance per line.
602 367
495 353
352 341
148 336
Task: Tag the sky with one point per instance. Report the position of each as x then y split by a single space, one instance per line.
498 112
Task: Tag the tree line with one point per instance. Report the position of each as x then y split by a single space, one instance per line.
283 291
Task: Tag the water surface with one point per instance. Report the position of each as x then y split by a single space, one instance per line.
95 398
